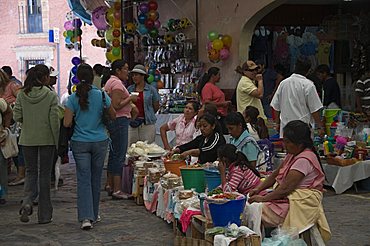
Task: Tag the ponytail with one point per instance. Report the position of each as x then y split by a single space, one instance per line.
206 77
242 161
86 76
261 128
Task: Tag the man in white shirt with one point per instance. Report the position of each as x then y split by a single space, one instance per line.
296 99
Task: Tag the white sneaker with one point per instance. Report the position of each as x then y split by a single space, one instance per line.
86 225
97 219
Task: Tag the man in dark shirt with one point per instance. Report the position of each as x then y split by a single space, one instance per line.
330 86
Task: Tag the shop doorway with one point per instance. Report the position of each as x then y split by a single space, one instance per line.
330 32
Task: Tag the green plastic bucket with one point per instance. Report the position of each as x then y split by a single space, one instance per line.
193 178
330 115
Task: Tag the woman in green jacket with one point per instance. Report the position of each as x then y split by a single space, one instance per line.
36 108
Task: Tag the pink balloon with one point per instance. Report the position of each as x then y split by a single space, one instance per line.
209 45
98 18
68 25
224 54
157 24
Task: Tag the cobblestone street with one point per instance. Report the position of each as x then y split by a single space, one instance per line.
125 223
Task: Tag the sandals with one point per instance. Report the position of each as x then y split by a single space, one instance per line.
119 195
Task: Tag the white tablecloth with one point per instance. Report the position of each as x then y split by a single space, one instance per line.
171 136
342 178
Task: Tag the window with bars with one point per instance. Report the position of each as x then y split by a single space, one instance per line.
31 63
30 17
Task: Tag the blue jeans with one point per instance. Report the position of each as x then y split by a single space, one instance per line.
266 107
3 176
89 157
118 130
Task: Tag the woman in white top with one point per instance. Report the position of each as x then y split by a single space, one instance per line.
184 126
255 124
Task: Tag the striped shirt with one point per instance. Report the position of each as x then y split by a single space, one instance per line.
240 179
184 131
363 90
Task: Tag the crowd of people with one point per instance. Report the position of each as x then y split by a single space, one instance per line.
105 112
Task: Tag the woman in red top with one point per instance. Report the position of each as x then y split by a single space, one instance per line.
210 93
242 176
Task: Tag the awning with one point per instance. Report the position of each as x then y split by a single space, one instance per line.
79 11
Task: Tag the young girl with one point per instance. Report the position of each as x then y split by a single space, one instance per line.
255 124
242 176
204 146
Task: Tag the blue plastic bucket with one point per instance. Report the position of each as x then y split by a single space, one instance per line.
213 178
229 212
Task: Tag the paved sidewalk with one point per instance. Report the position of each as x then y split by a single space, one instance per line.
125 223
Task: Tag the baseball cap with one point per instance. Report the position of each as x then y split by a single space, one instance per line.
139 69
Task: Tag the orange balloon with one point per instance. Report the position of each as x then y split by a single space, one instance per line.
213 55
117 23
227 40
153 15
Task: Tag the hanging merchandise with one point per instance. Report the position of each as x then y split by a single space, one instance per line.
72 33
75 61
148 20
218 46
113 34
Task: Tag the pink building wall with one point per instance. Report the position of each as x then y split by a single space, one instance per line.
55 11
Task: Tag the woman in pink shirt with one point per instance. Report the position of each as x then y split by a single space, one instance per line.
242 177
8 88
211 93
301 170
184 126
118 128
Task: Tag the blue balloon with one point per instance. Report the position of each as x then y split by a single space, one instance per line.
151 71
76 60
142 30
142 18
74 70
75 80
157 77
153 66
67 40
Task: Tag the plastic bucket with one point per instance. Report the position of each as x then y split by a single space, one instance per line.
213 178
193 178
174 166
229 212
330 115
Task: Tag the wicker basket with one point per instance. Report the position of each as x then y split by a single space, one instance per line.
340 162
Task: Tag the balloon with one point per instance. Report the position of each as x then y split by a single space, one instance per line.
117 6
68 25
109 16
130 28
77 23
116 43
157 77
142 30
150 78
117 14
117 23
213 55
116 33
109 56
153 33
73 88
209 45
217 44
149 24
116 51
227 40
157 24
224 54
212 35
153 66
151 71
153 15
102 43
144 8
109 35
101 33
78 32
65 34
142 18
76 60
74 70
69 33
75 80
153 5
67 40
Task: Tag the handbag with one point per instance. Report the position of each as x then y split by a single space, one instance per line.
105 117
10 148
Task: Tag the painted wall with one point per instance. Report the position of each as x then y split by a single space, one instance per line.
55 10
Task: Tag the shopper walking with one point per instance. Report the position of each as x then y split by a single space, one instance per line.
89 142
118 128
39 138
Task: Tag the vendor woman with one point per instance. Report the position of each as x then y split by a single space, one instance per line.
241 138
242 176
298 185
205 145
184 126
